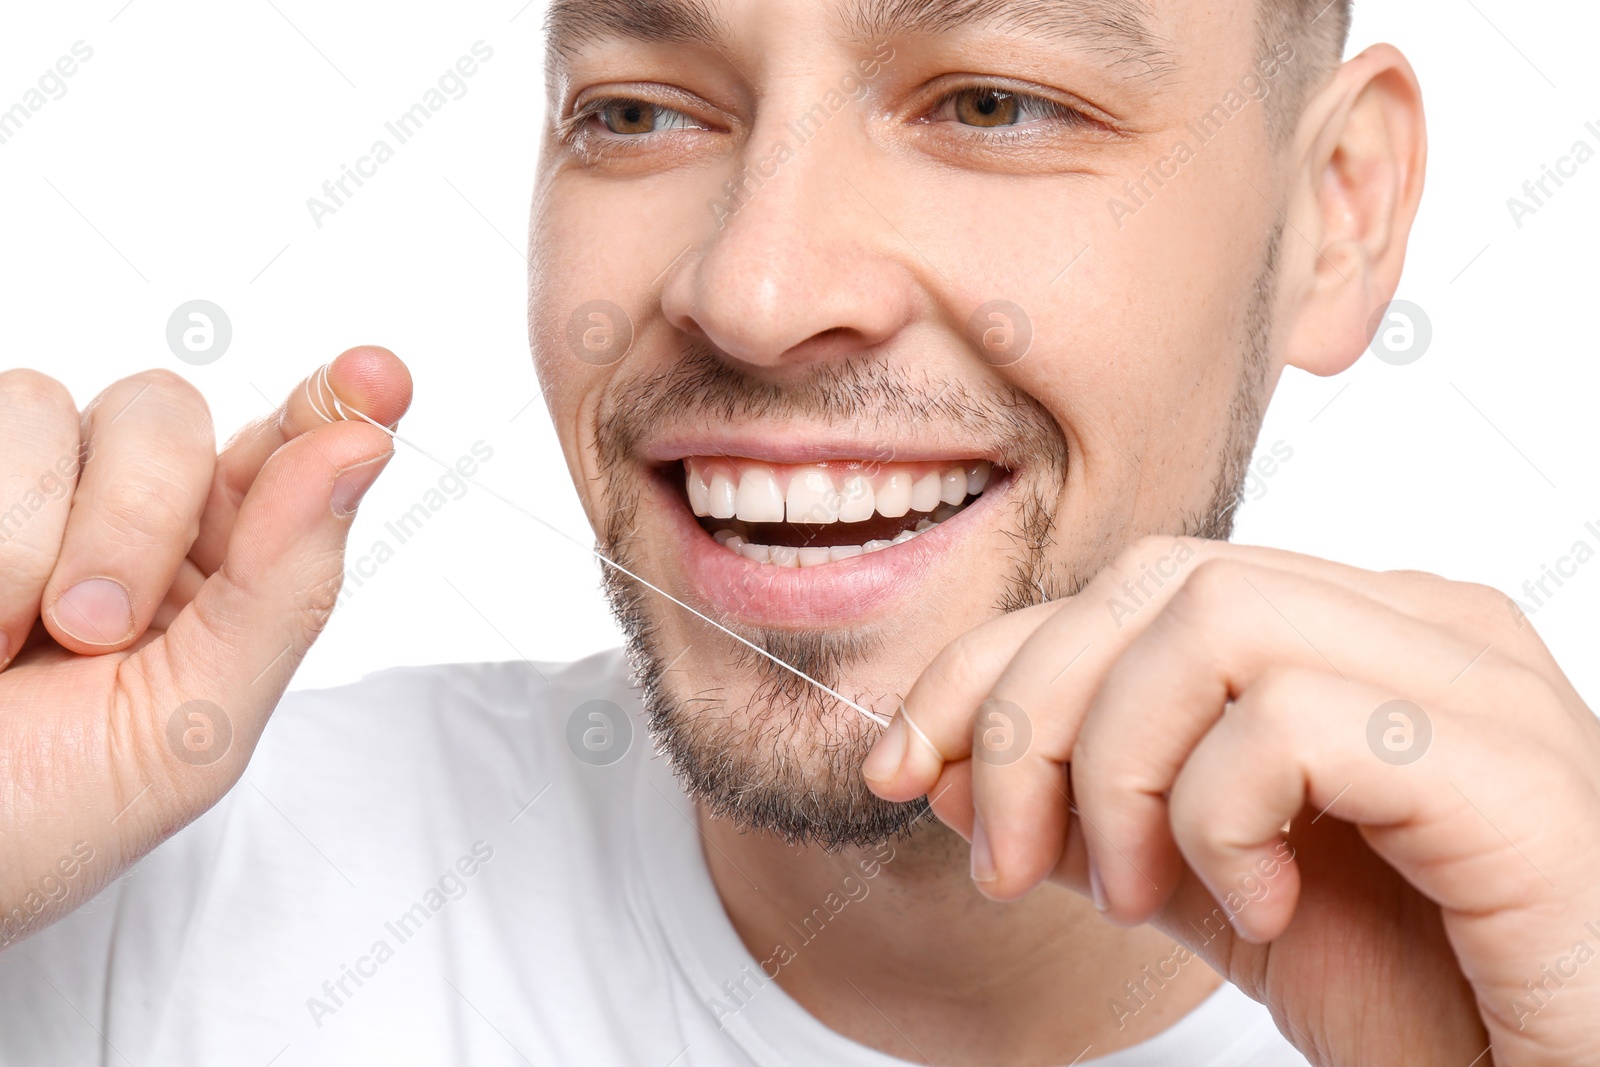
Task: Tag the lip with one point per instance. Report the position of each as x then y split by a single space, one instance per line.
795 447
850 591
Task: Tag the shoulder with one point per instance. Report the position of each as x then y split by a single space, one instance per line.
445 715
507 690
420 806
382 783
409 755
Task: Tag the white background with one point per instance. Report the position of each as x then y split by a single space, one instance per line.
178 164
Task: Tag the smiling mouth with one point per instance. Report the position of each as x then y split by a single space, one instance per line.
803 515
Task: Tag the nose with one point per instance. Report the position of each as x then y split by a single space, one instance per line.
797 268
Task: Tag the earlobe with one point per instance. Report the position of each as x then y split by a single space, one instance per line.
1330 327
1361 153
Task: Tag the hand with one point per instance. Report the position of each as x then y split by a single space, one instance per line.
155 599
1147 741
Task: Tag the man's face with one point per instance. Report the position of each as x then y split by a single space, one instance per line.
863 321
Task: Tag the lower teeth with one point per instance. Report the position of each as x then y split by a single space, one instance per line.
787 556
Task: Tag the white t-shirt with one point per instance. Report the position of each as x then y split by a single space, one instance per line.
416 869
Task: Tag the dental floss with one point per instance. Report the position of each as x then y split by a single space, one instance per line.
342 408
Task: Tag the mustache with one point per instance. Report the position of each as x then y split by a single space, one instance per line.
868 393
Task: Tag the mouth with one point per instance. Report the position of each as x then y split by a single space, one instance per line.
813 514
825 540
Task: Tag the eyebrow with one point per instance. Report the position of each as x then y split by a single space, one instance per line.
1119 29
571 24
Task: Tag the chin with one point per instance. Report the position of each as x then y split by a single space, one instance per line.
836 566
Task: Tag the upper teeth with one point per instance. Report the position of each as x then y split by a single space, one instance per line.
758 492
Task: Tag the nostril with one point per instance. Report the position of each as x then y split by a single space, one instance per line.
836 342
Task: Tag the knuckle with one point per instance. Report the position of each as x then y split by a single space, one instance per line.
136 512
168 383
24 564
30 388
1124 566
960 663
1513 694
178 394
185 415
1485 605
1192 819
1213 585
1412 573
1159 556
315 604
132 736
1145 547
1102 773
1105 765
1482 612
1156 546
1217 578
1275 694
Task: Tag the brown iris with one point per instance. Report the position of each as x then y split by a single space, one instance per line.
986 107
629 116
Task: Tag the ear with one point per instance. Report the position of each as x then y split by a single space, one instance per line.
1355 181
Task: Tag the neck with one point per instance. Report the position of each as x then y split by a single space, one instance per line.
893 947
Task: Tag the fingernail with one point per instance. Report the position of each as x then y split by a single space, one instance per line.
887 755
96 611
982 856
1097 888
353 483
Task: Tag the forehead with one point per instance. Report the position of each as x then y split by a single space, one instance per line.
1125 31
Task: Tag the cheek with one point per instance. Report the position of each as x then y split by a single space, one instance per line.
1141 342
598 253
573 395
571 389
1130 321
579 338
586 270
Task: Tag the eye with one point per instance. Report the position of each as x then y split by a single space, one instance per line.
632 118
986 107
990 107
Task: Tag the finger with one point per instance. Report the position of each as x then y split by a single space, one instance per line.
39 446
951 797
1055 655
185 585
1003 695
1072 866
1019 791
1231 623
1431 998
366 379
235 646
1286 744
934 722
1065 661
1242 856
1044 693
1050 665
1472 612
1450 811
134 513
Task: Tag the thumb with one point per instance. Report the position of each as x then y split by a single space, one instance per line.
211 680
